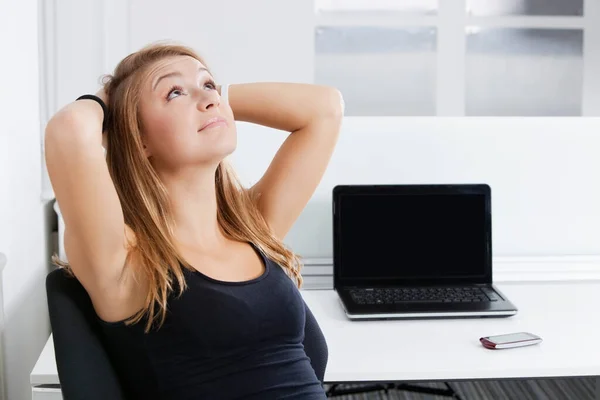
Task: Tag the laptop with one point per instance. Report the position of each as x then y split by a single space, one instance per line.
415 251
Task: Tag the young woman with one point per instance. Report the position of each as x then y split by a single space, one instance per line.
196 293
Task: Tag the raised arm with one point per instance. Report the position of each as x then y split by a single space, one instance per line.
313 115
94 224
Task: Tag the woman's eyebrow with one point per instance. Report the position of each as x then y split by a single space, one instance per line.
174 73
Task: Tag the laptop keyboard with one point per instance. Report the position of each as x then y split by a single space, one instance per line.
423 295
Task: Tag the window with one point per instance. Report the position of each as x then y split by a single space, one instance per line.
454 57
523 71
380 71
525 7
404 6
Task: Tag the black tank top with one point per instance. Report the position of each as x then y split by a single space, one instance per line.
255 339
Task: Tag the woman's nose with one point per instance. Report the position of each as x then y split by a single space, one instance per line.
208 100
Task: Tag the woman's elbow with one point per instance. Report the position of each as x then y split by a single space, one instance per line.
334 104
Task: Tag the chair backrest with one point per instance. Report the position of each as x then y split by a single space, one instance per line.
84 368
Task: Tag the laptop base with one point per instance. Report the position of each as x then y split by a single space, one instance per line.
425 310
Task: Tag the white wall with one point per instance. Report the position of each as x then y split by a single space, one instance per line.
22 213
240 42
543 171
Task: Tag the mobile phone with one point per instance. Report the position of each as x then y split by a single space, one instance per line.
510 340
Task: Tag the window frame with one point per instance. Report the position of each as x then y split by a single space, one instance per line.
451 22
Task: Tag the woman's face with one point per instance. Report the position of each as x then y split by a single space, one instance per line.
183 120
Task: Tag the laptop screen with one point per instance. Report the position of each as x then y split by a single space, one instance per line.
424 237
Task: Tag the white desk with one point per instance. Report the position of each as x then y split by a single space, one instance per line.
565 315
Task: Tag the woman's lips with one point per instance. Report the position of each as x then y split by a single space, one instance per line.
213 122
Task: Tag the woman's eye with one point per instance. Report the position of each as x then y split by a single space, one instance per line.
175 91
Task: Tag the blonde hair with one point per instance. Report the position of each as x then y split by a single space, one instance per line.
144 199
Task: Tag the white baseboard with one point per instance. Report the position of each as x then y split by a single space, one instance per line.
318 272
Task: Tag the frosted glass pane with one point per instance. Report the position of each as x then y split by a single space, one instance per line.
405 6
380 71
524 72
525 7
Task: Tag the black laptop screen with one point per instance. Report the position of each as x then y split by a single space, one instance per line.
413 237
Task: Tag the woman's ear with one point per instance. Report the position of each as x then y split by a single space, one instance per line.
147 151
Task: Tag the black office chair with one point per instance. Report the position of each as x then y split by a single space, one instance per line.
84 368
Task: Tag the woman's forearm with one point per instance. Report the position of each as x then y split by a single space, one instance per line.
284 106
